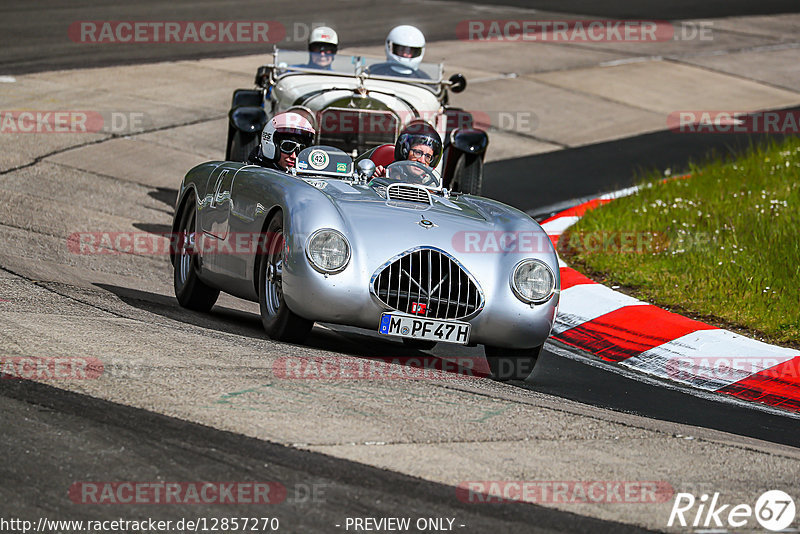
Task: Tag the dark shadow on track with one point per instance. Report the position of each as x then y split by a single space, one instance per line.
81 438
534 182
658 9
347 341
571 379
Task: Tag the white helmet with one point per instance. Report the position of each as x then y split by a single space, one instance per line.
323 34
288 126
405 45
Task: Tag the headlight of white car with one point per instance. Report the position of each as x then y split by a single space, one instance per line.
328 251
532 281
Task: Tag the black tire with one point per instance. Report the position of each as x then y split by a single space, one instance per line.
468 175
279 321
419 344
241 145
191 292
511 364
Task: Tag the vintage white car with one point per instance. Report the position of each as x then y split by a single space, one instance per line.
355 109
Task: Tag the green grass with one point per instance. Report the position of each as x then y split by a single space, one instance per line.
722 245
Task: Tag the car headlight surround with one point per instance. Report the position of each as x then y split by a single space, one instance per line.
328 251
533 281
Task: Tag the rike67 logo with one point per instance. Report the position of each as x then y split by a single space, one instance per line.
774 510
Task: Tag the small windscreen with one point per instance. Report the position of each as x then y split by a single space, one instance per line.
325 161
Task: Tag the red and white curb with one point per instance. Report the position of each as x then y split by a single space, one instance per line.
637 335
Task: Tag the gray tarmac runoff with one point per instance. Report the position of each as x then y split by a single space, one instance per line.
195 397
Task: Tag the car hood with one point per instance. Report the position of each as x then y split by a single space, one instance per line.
449 223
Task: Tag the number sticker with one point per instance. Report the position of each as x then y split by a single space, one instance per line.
318 159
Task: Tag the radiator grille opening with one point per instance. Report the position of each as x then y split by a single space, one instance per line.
428 283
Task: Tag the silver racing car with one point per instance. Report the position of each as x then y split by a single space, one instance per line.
398 255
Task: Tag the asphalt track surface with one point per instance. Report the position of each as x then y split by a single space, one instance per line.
77 437
32 34
57 437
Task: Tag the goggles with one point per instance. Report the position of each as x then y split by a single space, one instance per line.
289 146
322 48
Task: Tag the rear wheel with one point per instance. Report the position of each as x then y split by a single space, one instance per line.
468 175
511 364
279 321
191 292
241 145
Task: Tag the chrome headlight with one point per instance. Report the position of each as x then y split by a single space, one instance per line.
328 251
532 281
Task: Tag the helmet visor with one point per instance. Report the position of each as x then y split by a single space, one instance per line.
406 51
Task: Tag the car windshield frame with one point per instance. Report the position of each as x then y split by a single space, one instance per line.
290 62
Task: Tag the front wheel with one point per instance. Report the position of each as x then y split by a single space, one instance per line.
191 292
279 321
468 175
511 364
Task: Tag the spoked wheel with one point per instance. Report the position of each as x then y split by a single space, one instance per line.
468 175
511 364
279 321
191 292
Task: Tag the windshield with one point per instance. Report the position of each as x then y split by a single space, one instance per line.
412 172
288 61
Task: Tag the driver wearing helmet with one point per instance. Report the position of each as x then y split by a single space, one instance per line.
417 142
405 47
284 136
322 46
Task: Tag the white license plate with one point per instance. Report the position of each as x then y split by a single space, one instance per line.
417 328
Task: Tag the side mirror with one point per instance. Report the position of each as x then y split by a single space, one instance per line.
366 168
458 83
262 76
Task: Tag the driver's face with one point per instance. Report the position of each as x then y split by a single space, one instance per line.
421 154
322 59
287 160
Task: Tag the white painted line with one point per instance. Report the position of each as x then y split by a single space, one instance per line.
585 302
7 79
575 354
557 226
639 59
506 76
710 359
619 193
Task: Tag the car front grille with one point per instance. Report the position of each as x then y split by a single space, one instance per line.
356 129
409 193
429 283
